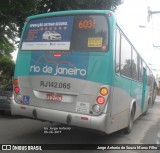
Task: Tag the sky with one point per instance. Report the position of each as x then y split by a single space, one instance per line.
132 17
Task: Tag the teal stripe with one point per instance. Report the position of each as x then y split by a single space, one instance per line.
100 68
23 64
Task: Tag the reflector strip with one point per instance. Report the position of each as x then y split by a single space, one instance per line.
84 118
22 107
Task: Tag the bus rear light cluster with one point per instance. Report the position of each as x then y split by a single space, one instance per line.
103 93
101 99
16 87
17 91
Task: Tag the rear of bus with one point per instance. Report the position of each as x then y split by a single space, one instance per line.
64 69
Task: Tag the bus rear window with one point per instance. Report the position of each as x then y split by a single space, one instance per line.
75 33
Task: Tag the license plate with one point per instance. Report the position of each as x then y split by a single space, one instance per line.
54 97
3 97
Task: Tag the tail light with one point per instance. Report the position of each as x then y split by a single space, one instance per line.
100 100
16 86
103 91
15 82
16 90
18 97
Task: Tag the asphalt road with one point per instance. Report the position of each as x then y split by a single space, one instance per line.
17 130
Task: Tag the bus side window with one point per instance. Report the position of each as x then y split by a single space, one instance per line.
117 67
134 65
125 57
140 70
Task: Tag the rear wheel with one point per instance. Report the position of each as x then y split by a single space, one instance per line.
128 129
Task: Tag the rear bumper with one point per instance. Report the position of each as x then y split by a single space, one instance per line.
92 122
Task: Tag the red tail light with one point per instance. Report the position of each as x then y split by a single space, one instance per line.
16 89
100 100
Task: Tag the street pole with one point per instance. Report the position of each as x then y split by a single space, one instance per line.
150 13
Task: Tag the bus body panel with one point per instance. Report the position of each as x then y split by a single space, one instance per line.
86 93
65 89
91 122
103 122
75 89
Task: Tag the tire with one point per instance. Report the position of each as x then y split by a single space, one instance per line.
128 129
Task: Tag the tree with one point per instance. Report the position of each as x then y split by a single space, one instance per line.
61 5
6 47
12 16
6 69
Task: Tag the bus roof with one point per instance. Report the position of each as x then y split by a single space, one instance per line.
70 13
